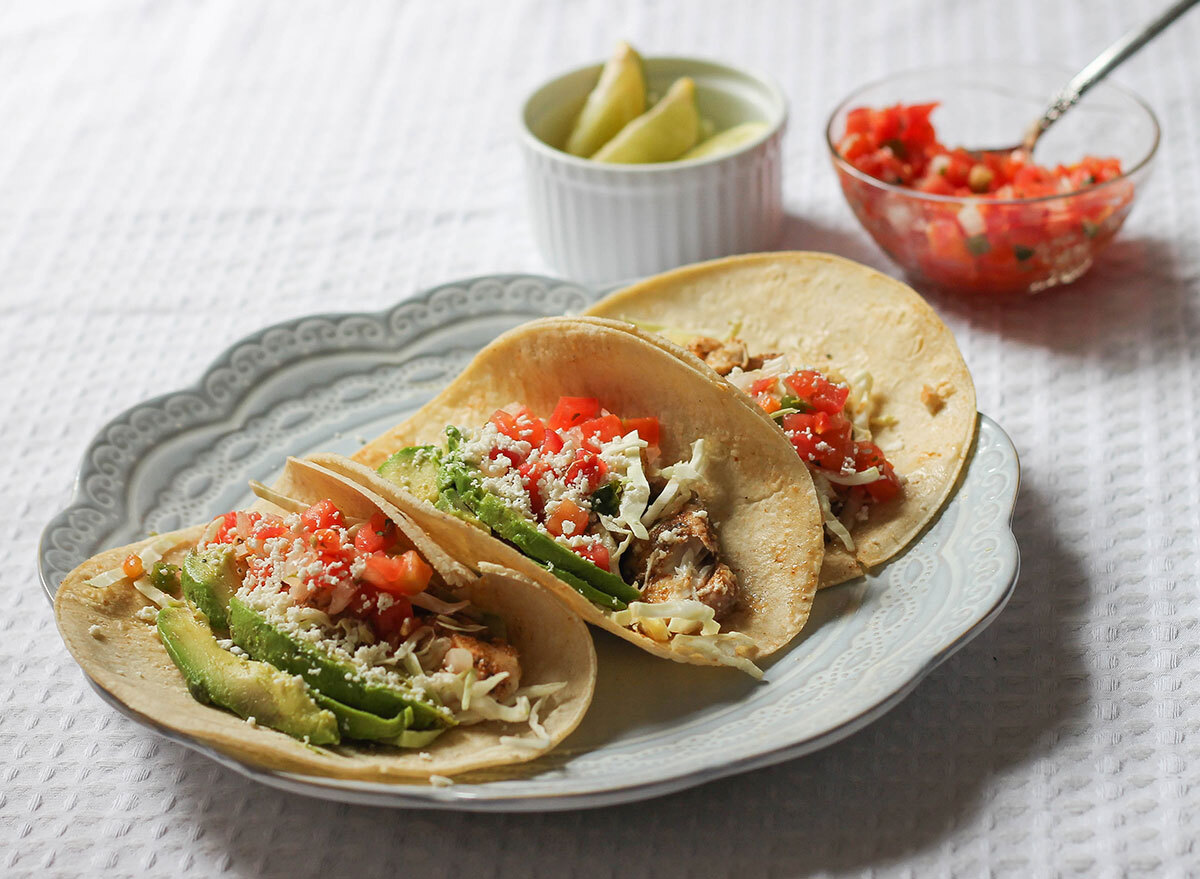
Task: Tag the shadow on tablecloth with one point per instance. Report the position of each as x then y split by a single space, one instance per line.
894 790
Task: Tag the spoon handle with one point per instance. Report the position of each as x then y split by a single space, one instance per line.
1102 65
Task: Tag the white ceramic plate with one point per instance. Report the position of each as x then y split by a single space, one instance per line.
330 382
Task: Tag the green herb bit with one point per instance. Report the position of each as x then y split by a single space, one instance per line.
978 244
788 401
606 500
1022 252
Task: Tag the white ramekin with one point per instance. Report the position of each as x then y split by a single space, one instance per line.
599 222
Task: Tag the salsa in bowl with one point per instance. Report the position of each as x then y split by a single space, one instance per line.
916 156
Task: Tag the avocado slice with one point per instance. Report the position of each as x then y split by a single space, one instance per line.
512 526
415 469
210 579
357 724
460 482
264 640
247 688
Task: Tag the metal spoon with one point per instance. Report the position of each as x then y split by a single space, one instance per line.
1095 71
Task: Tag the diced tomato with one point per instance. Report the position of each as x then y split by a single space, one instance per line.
589 467
132 566
596 553
573 411
867 455
505 422
552 443
225 533
818 391
322 514
647 428
514 457
531 475
820 438
267 527
858 121
372 535
327 540
228 531
387 622
522 425
769 402
597 431
762 385
566 512
405 574
334 568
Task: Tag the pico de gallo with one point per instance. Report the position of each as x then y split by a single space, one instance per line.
355 588
319 561
349 612
827 423
975 236
584 492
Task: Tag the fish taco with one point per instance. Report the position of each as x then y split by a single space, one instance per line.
854 367
322 632
577 453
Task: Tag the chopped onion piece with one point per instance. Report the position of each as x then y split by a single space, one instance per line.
435 605
862 477
144 586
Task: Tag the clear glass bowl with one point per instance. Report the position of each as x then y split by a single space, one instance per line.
990 246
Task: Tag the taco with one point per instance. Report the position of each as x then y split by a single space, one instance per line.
854 367
322 632
640 490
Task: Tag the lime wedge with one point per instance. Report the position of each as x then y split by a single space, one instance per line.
618 97
726 141
663 133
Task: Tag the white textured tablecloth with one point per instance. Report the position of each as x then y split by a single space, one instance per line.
176 174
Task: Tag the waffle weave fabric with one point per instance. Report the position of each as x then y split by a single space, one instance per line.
174 175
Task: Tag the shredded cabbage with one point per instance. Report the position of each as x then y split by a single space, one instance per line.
435 604
150 554
859 405
862 477
684 477
635 495
725 649
685 609
144 586
106 578
776 367
836 528
537 691
468 680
